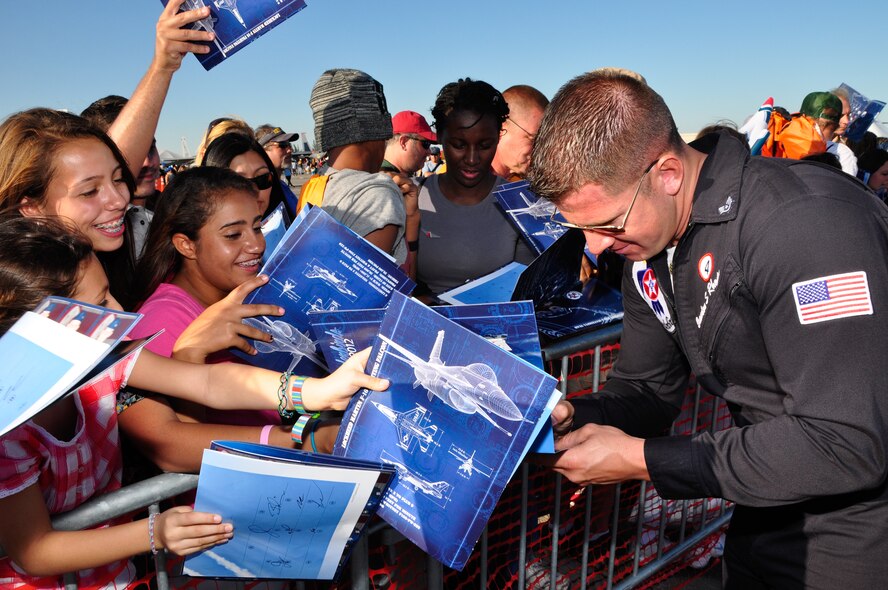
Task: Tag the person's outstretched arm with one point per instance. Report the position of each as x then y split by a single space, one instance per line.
133 130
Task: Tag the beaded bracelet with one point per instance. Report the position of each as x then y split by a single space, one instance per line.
151 518
282 397
299 427
296 394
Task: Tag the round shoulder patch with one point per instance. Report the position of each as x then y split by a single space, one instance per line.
704 266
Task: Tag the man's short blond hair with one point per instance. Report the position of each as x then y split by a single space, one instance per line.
603 128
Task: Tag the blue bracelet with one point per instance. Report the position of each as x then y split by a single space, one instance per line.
311 437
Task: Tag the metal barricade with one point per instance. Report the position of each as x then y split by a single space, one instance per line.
545 532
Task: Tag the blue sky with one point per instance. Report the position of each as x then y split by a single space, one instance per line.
709 60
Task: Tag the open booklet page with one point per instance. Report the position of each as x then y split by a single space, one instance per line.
53 350
295 514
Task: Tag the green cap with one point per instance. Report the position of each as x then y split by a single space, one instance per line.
822 105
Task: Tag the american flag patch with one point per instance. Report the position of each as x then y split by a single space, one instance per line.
832 297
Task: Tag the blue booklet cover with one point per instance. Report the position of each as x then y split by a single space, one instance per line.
511 326
457 419
530 214
274 228
296 515
564 304
863 112
237 23
319 265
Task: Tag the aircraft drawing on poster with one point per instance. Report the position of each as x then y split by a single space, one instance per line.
468 466
230 6
316 270
539 208
287 288
487 404
533 216
286 339
550 230
440 490
319 305
468 389
413 427
205 23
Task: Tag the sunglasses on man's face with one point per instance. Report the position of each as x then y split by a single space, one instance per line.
263 181
425 143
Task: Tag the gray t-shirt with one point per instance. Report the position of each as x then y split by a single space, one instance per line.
458 243
366 202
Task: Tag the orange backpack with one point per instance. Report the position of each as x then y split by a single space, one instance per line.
312 192
792 138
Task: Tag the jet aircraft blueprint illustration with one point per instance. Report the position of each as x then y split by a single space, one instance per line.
550 230
413 427
205 23
319 305
468 467
468 389
316 270
287 339
540 209
436 489
230 6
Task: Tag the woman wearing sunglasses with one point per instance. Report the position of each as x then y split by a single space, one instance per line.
245 156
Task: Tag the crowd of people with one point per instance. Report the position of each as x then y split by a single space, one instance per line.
752 272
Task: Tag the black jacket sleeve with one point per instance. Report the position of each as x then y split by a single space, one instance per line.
644 393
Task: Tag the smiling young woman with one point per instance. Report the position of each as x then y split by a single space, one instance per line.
55 164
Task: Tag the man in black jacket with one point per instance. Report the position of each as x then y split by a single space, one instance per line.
767 279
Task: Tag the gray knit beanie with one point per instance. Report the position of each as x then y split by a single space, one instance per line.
348 107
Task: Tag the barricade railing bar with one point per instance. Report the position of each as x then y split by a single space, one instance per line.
546 532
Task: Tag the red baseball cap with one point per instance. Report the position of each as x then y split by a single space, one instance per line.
413 123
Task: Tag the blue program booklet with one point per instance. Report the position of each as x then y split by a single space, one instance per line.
457 419
237 23
564 304
318 265
530 214
55 349
510 326
296 515
274 228
863 112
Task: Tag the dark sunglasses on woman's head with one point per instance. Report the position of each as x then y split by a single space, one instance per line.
263 181
215 122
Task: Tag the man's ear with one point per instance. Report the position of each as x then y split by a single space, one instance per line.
403 140
670 171
185 246
30 208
